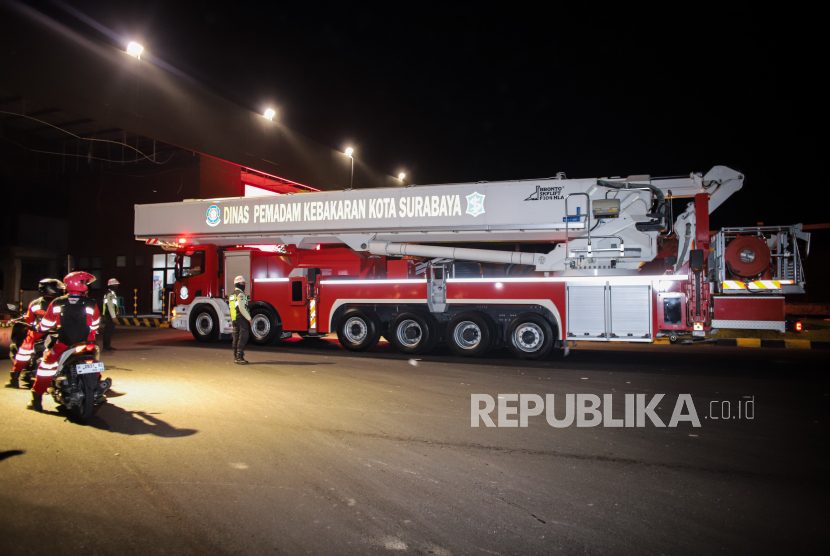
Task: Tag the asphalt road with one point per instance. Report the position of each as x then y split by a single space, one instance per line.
314 450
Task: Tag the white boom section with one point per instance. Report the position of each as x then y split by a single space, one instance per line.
381 221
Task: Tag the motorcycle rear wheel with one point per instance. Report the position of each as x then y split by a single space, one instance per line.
83 411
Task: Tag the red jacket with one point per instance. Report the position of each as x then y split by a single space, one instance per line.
37 309
76 315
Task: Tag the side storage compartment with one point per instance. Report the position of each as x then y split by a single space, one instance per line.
749 312
586 312
237 263
617 313
630 313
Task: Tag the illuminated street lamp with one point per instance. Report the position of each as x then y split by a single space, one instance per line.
269 114
349 153
401 176
134 49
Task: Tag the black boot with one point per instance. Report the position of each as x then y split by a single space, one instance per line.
14 380
37 402
241 361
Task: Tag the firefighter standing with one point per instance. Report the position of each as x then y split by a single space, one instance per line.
110 312
76 318
50 288
241 320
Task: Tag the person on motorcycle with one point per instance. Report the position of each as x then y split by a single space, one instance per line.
76 318
50 288
241 320
110 313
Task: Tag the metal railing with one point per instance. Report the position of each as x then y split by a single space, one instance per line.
590 250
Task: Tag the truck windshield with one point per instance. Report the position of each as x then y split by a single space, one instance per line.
190 263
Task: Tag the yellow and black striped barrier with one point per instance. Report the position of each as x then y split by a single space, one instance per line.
150 322
758 343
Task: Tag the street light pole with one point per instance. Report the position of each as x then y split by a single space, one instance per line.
350 153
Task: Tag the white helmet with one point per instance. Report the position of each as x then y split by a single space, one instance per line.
239 280
113 282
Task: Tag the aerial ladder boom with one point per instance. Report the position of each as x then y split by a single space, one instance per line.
606 225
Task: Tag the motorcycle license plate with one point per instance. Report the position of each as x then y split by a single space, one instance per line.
87 368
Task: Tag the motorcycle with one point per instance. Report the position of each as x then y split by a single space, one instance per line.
18 334
76 386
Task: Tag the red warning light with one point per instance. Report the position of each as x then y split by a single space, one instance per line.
798 326
182 240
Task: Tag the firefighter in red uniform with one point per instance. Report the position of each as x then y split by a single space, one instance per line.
50 288
77 318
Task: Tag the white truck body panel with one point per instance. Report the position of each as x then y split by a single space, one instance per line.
551 210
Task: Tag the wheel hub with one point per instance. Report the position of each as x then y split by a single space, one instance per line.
260 326
356 330
467 335
409 333
528 337
204 324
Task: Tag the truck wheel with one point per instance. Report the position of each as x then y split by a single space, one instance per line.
412 333
204 324
357 330
265 327
469 334
529 336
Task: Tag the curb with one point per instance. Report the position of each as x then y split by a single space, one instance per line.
148 322
759 343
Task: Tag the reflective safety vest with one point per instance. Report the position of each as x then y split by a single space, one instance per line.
242 298
110 300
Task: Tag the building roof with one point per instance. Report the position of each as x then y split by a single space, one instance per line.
62 82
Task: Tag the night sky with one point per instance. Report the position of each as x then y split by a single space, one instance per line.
488 91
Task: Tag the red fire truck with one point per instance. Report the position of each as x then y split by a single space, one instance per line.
565 260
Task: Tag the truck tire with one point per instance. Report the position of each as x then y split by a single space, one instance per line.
204 324
357 330
412 333
529 336
470 334
265 327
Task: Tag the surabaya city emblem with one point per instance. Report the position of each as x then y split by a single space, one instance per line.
475 204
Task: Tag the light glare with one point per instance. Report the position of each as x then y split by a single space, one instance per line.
269 114
135 49
401 176
349 151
